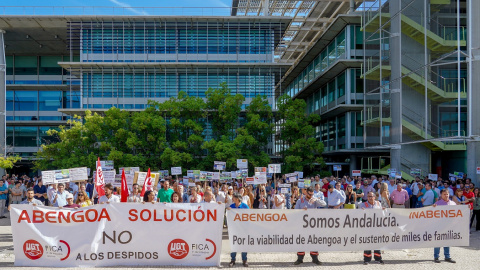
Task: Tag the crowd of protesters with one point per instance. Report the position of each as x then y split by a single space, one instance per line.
328 192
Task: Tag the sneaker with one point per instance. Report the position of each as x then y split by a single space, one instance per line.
231 264
317 262
365 263
437 260
297 262
245 264
380 262
450 260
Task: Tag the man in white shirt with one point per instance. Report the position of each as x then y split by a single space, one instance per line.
60 197
74 188
415 189
222 194
335 198
109 197
391 185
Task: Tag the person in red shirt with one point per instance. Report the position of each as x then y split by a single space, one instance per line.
467 192
325 187
70 203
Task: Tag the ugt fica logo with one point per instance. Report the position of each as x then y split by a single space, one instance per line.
32 249
178 249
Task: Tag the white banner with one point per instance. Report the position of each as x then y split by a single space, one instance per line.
242 163
176 170
78 174
347 230
118 234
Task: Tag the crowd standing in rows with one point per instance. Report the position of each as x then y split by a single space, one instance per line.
328 192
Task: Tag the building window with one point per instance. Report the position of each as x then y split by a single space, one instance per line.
49 100
26 65
25 136
26 100
49 65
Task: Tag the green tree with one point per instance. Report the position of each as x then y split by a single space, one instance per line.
185 127
129 139
301 151
8 162
224 110
253 138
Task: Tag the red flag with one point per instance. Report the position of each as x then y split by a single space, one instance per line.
147 185
99 181
124 188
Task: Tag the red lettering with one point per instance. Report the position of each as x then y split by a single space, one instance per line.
212 215
178 218
195 215
80 218
133 215
38 216
142 216
50 217
104 214
24 216
65 218
87 215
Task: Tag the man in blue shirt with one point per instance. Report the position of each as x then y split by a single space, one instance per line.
237 203
60 198
40 191
3 197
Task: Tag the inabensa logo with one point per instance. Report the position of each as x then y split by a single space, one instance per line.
32 249
178 249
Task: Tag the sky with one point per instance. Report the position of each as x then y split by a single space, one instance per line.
132 7
124 3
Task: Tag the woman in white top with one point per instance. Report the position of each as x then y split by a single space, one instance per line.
262 198
384 195
279 202
229 196
245 198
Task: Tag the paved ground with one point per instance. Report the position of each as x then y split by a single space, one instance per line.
466 257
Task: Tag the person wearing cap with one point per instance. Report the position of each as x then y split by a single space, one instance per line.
237 203
70 203
308 201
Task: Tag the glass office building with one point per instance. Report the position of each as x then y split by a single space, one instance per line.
96 63
391 85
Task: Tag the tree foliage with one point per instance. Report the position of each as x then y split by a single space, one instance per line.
301 150
186 131
9 161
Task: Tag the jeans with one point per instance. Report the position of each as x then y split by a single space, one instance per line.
2 207
446 252
233 255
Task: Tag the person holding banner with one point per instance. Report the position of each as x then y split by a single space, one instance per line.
194 196
149 197
83 200
165 193
371 203
135 197
444 201
109 197
31 199
308 202
237 203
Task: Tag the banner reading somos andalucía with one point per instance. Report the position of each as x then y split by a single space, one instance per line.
118 234
347 230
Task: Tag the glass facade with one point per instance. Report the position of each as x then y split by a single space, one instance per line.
336 50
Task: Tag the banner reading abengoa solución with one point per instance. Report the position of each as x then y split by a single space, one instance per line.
118 234
347 230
